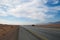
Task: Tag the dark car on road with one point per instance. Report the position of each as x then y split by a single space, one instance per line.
33 25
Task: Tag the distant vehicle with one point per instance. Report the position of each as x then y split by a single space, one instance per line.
33 25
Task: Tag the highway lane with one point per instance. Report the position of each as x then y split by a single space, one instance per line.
25 35
43 33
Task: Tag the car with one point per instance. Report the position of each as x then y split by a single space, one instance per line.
33 25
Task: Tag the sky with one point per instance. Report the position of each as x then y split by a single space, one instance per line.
25 12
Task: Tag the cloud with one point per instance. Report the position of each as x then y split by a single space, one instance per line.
33 9
29 10
53 3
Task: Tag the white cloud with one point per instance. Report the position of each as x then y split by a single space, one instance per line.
56 8
31 10
35 9
3 14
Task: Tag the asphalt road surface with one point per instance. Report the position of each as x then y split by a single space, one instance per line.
38 33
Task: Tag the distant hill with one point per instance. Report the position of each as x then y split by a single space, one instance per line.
55 22
50 25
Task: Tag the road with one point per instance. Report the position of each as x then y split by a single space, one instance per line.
38 33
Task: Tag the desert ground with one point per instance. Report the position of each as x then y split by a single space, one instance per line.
8 32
